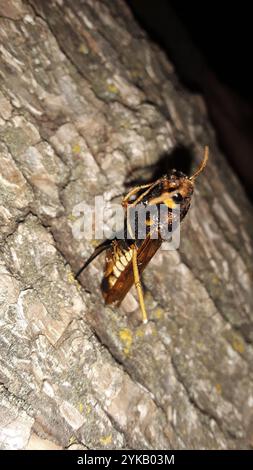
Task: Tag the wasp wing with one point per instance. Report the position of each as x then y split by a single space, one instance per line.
125 281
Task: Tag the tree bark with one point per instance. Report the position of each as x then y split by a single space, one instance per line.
86 100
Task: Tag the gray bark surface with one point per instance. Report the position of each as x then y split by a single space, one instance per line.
85 98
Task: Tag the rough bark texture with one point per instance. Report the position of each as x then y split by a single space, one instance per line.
85 99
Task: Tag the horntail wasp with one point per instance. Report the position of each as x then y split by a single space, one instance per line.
127 258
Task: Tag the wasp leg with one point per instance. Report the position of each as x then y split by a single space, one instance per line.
134 191
138 286
149 187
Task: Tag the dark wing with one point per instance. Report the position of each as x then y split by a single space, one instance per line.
117 292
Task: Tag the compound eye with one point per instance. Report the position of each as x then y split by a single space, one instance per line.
177 198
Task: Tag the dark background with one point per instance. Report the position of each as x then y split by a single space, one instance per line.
210 46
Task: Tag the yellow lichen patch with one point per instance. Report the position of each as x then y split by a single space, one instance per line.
149 299
218 388
105 441
72 218
72 440
140 333
94 243
71 278
80 407
125 124
154 330
215 280
238 345
200 344
159 313
76 149
112 88
88 409
136 74
127 339
83 49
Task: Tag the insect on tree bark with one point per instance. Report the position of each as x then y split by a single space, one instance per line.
128 257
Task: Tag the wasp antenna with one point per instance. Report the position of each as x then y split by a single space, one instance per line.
103 246
202 164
